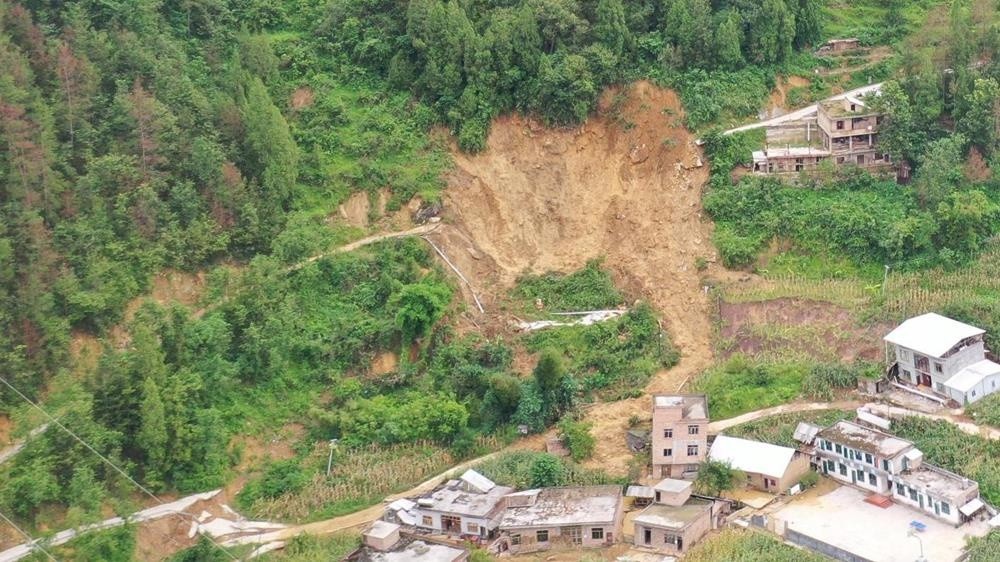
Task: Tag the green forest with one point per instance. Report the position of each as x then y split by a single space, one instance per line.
218 137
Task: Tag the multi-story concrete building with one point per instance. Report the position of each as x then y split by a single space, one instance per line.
893 468
849 131
680 434
945 356
675 521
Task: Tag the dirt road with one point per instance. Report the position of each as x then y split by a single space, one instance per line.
721 425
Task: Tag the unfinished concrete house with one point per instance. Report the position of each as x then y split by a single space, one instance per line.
894 471
770 468
587 517
469 506
675 521
942 357
848 129
384 542
680 434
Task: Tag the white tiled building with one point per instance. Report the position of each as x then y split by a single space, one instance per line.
946 356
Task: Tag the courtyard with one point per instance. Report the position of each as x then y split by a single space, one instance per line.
842 518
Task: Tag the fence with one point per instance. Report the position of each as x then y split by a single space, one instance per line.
821 547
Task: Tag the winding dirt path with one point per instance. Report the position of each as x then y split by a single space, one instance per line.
722 425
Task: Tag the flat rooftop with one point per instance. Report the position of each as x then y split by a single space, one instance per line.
788 152
843 519
453 499
555 507
408 550
865 439
938 482
840 108
695 406
672 485
675 518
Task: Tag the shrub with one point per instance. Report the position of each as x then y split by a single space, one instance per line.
279 478
735 250
822 379
578 439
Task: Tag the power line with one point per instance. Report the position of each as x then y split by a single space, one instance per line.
31 541
112 465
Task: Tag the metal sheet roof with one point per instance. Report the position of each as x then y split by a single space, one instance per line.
752 456
973 506
964 380
931 334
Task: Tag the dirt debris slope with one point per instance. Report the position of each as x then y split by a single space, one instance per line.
626 186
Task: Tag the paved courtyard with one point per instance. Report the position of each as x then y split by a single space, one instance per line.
843 519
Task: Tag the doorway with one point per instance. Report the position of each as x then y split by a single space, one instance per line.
924 380
647 536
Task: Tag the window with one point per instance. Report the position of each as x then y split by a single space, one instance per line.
878 120
840 159
861 158
427 521
913 494
843 469
542 536
973 392
945 508
515 540
904 354
854 107
473 528
900 489
840 125
692 430
840 450
872 479
692 450
869 459
885 465
878 156
668 452
597 533
657 497
668 433
670 539
938 368
860 474
907 374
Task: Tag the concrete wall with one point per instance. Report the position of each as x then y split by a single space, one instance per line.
529 542
907 362
672 498
435 522
821 547
690 535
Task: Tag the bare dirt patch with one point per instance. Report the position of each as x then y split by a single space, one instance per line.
626 186
789 326
301 98
385 362
777 102
356 209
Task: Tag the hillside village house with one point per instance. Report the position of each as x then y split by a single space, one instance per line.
944 356
471 505
588 516
675 521
680 434
847 131
770 468
893 468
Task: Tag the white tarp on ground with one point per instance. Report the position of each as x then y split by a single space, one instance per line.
586 319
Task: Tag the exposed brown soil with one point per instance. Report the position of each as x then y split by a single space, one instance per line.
626 186
818 329
385 362
779 96
301 98
355 210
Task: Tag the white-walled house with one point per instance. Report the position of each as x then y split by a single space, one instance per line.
946 356
892 467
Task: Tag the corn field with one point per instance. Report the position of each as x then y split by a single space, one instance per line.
905 293
358 477
747 546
